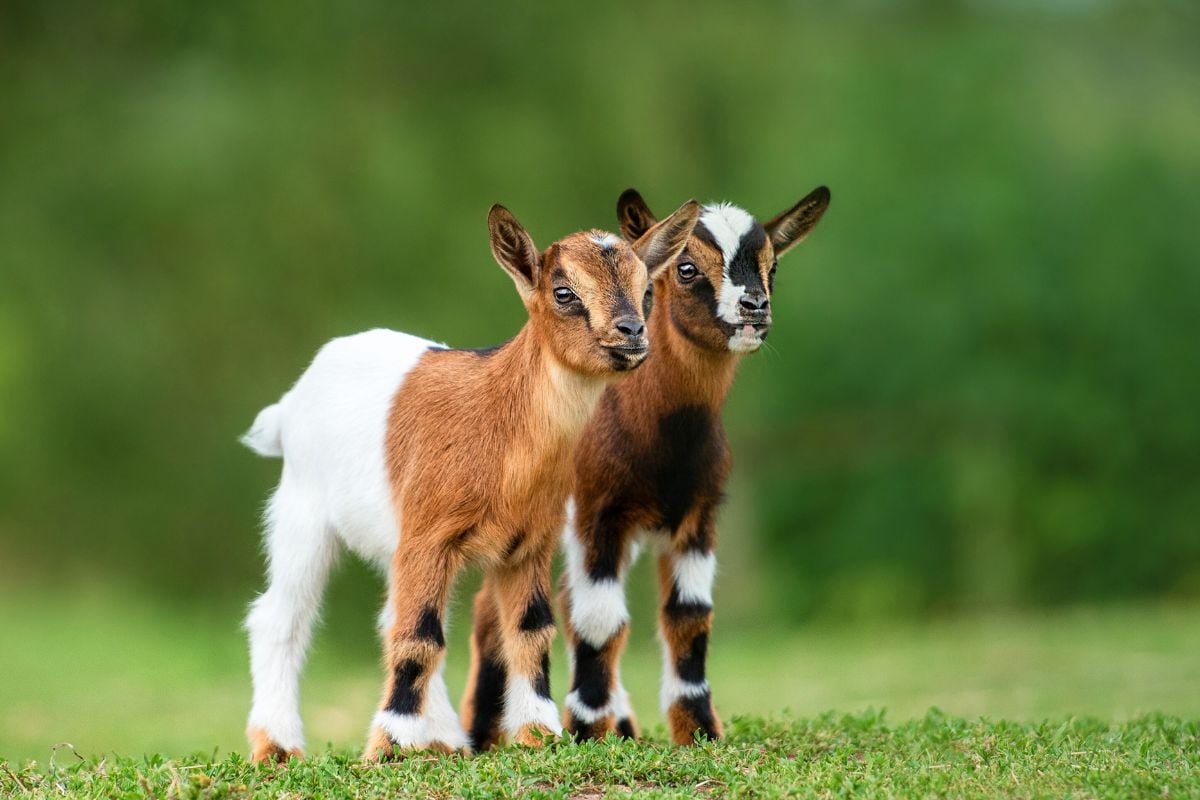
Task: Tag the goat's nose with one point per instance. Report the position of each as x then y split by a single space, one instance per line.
755 301
630 325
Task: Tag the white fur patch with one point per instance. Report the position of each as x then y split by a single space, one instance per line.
524 706
675 688
620 700
597 607
605 240
727 224
742 342
442 720
405 730
727 300
585 713
694 574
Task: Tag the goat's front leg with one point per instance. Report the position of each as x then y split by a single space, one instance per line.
597 627
685 572
522 592
415 713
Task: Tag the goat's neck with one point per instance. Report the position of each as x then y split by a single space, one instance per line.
679 373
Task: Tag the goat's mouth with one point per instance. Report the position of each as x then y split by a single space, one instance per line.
627 356
748 336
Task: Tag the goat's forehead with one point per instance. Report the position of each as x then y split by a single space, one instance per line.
598 256
729 229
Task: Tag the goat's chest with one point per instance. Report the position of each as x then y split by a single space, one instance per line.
686 464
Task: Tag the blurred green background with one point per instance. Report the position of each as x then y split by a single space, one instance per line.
980 397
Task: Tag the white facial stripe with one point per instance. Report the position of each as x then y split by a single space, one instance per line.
727 300
605 240
727 224
597 607
694 574
524 706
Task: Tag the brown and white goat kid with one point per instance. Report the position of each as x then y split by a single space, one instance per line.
654 460
422 459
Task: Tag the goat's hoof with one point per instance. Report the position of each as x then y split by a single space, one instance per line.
264 749
534 735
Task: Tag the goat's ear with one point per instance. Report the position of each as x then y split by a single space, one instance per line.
633 215
789 228
514 250
664 241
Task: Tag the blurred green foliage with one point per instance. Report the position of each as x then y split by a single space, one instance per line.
983 384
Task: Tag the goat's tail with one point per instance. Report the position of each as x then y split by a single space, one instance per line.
265 436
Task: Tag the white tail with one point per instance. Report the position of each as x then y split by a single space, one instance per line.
265 435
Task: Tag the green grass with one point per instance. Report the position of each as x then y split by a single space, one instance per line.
861 755
114 675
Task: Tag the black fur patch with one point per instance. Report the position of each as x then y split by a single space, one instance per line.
405 699
541 684
537 614
700 710
429 627
679 609
743 268
606 542
489 702
484 352
625 728
591 676
690 446
690 667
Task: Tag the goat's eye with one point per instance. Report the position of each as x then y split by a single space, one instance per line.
564 295
688 272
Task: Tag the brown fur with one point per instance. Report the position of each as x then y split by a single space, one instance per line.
654 456
478 450
264 749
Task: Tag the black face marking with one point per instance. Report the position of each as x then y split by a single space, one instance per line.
743 268
541 684
429 627
702 233
405 699
690 667
702 291
624 307
700 710
489 702
537 613
648 302
576 308
591 676
690 445
625 728
681 609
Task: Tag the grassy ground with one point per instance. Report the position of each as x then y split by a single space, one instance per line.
110 675
861 755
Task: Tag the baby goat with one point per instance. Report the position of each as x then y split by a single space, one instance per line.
654 460
423 459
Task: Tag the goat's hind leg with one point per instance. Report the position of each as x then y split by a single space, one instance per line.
300 549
